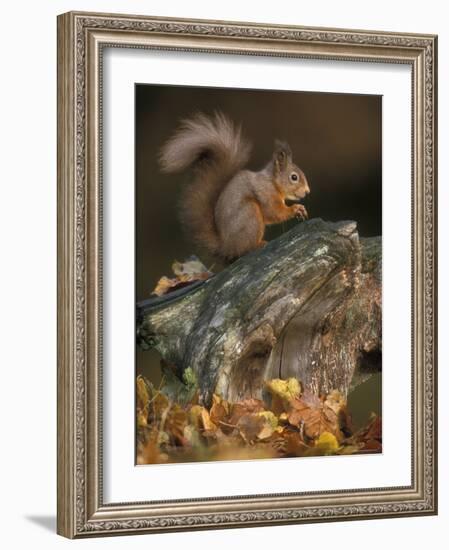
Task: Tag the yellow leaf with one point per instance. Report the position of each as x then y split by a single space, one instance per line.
283 392
208 425
287 389
200 419
294 388
327 443
195 416
270 418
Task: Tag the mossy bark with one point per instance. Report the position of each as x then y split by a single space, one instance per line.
306 305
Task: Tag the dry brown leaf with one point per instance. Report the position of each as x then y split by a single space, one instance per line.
303 425
257 426
219 413
200 418
374 429
372 445
270 424
247 406
315 416
148 453
174 422
249 426
370 438
185 273
294 444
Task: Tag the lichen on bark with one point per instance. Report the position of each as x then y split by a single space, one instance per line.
307 305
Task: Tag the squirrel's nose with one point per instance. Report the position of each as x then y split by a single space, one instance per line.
307 189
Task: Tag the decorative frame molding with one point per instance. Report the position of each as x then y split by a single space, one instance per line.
81 38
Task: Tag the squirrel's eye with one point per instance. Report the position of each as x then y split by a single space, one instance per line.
293 176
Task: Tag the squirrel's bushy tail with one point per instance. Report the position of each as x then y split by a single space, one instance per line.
217 151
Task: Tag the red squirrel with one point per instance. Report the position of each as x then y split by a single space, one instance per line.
226 207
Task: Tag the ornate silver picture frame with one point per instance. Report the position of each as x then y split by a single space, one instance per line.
82 41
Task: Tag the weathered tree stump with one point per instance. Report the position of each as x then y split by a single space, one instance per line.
307 305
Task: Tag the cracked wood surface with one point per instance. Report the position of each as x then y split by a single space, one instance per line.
306 305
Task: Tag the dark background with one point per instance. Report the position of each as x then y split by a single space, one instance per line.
335 140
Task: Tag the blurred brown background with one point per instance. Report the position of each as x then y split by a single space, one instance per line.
335 139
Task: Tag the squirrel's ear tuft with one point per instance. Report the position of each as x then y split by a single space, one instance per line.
282 154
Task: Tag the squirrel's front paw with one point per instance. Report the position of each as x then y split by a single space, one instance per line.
300 211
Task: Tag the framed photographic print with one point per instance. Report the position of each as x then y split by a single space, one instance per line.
247 274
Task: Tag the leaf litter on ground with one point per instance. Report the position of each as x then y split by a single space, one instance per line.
172 426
